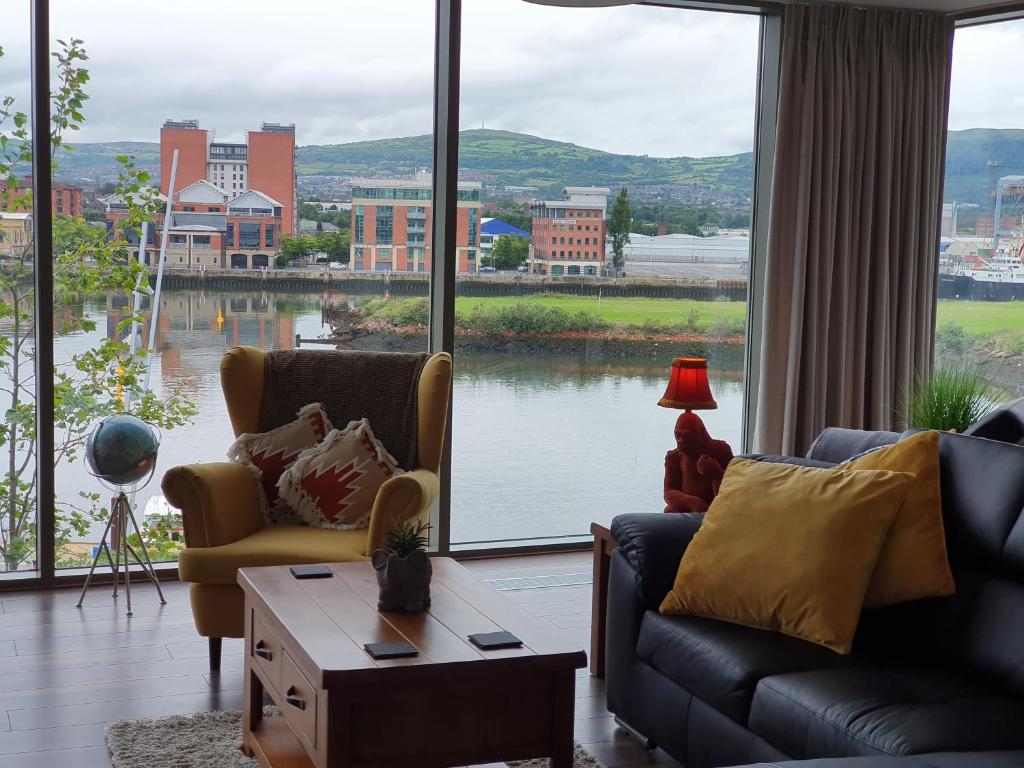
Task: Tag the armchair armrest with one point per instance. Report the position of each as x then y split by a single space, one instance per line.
404 496
653 544
219 502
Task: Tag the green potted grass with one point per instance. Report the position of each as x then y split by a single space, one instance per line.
403 569
954 397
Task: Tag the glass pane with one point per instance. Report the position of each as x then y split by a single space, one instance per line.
980 315
18 507
272 135
564 347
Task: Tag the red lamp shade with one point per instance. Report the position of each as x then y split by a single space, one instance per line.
688 386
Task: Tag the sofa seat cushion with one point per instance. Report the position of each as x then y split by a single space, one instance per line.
722 663
273 545
849 712
1014 759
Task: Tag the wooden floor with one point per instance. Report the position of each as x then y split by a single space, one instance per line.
66 672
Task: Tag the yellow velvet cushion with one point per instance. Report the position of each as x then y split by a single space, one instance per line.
789 548
913 563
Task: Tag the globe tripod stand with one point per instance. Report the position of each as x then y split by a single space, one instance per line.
115 536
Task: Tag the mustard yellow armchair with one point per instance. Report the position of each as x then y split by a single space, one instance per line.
221 511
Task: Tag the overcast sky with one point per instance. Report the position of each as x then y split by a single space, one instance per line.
636 80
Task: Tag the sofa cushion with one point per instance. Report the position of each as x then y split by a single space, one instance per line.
789 548
878 711
273 545
913 563
722 662
836 444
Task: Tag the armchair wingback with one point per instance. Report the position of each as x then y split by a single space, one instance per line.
220 502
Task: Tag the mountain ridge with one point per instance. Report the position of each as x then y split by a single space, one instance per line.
517 159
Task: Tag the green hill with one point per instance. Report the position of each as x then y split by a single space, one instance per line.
506 158
968 178
503 157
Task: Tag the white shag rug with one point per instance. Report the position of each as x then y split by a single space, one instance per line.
212 740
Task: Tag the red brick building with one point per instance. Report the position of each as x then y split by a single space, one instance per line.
265 162
65 199
212 230
569 234
391 225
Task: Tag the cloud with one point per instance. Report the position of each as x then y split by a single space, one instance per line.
641 80
986 91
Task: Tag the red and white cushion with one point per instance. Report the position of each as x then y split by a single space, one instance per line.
269 454
333 485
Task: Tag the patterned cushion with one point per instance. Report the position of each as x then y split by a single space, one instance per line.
269 454
333 485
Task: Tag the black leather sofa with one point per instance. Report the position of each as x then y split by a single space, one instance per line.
1005 423
935 683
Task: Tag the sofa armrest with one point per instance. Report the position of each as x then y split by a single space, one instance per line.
653 544
404 496
219 502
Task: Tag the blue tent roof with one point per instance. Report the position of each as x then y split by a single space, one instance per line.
498 227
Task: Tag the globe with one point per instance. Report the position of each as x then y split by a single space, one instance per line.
122 450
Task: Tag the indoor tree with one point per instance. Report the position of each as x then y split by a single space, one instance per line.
91 385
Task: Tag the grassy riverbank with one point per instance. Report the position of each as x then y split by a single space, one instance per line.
993 321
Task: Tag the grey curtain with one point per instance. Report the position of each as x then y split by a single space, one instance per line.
852 255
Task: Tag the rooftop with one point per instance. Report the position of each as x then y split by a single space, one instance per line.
188 125
421 181
567 204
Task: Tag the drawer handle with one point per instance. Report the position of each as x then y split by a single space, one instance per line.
262 652
294 700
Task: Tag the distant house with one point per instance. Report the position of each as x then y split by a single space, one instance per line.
313 227
15 234
492 229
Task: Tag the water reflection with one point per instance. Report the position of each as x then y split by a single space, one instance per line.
543 446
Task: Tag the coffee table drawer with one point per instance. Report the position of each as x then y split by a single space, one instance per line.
299 704
266 651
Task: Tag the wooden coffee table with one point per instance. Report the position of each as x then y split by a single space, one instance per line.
452 705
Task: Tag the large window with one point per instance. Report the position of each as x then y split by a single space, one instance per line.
980 315
291 149
560 359
601 228
385 224
19 489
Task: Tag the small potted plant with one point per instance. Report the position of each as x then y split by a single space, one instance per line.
403 569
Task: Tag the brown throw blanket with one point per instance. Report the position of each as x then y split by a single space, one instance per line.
379 386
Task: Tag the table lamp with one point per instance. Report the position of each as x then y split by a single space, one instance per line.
688 386
694 468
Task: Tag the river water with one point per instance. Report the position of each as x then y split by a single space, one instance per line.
542 444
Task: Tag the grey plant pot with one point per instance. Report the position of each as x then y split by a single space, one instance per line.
404 581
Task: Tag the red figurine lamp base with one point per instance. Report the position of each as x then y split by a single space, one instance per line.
694 468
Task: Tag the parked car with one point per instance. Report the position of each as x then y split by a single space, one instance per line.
336 265
488 269
523 268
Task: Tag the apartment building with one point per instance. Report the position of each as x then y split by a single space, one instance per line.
264 162
569 234
65 199
15 234
210 229
391 225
